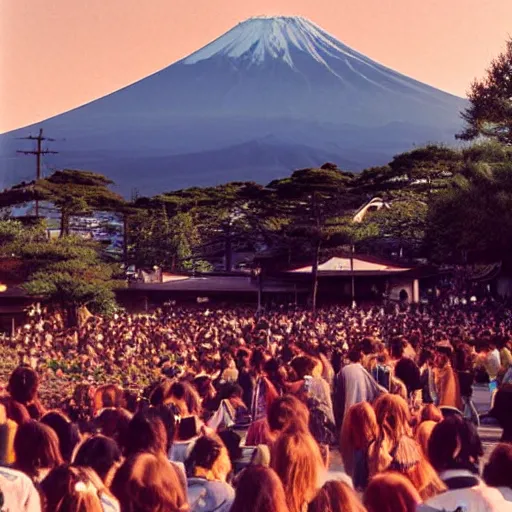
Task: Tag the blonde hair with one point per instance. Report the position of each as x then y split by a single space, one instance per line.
296 458
359 430
422 435
393 419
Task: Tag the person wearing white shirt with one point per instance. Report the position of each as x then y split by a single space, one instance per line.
18 492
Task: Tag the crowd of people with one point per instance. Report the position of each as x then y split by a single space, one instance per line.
219 410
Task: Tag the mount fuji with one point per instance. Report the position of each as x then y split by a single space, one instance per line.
271 95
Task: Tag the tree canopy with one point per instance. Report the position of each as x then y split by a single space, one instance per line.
489 113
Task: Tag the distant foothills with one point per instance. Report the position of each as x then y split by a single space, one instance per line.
271 95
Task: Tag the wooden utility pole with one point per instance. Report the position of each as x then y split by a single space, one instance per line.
39 151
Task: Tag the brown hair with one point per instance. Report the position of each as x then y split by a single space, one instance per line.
359 430
259 488
148 483
287 410
108 395
430 412
336 497
73 489
145 434
498 471
393 418
296 458
36 447
391 492
422 434
114 423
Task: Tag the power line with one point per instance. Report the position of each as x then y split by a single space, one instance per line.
38 152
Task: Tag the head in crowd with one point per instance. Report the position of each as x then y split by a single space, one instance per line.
106 397
303 366
23 385
455 444
113 423
498 471
74 489
145 433
37 451
67 432
394 421
23 388
285 411
185 397
391 492
358 431
148 483
209 459
296 458
101 454
336 496
259 488
430 412
423 433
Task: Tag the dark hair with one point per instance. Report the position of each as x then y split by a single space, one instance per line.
354 355
99 453
167 414
145 433
36 446
303 365
23 384
114 423
284 411
498 471
205 452
452 434
397 348
259 489
67 432
232 442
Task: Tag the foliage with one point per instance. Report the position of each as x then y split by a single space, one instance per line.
490 111
72 192
472 220
68 271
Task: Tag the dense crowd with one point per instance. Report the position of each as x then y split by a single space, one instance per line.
344 409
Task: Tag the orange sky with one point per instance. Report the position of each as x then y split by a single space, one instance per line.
58 54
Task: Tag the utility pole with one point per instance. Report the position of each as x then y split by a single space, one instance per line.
39 151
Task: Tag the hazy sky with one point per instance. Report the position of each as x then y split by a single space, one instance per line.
58 54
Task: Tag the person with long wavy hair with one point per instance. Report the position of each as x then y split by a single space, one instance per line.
336 497
297 459
148 483
259 489
208 467
37 450
391 492
395 449
76 489
359 430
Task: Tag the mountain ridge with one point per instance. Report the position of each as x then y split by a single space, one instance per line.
278 76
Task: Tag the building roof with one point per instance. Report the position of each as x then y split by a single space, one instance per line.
215 283
357 264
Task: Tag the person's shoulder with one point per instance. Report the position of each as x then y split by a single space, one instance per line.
480 497
14 477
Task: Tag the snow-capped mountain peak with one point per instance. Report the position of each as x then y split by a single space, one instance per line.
276 37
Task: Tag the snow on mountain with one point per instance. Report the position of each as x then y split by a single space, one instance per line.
279 77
